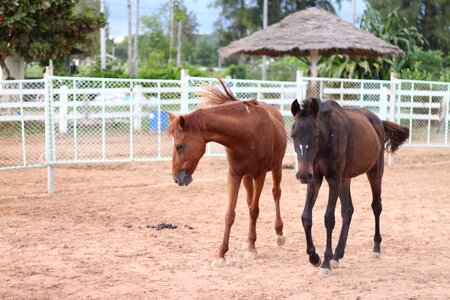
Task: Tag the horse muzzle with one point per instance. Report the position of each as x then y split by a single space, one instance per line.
183 178
304 177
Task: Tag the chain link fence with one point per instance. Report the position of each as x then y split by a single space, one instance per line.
111 120
60 120
374 95
22 123
424 108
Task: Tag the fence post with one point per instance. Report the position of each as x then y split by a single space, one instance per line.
184 91
137 90
392 104
49 154
63 102
393 97
446 109
383 103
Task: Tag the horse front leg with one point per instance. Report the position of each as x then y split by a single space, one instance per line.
276 192
346 214
334 185
253 210
234 182
311 196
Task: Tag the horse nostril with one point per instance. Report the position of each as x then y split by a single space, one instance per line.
175 179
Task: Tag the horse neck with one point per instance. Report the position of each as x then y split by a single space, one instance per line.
324 134
225 129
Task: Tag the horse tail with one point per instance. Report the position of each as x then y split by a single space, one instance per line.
394 136
215 95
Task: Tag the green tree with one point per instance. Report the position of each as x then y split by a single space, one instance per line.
427 65
38 30
392 28
430 17
153 43
205 51
239 18
236 20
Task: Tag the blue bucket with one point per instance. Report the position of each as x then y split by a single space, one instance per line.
153 120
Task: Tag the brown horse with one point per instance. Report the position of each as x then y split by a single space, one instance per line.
255 141
340 144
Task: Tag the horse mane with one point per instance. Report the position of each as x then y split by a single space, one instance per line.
194 120
211 95
215 95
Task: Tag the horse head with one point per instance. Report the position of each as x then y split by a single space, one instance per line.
189 147
305 135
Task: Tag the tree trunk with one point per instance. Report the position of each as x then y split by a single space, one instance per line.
179 44
5 70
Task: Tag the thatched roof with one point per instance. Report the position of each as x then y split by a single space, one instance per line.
310 29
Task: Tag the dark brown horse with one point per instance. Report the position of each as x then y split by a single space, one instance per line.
255 141
340 144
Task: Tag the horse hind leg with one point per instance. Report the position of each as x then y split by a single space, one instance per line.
248 184
276 192
253 208
375 176
346 214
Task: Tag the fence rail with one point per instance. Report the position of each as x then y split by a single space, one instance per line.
76 120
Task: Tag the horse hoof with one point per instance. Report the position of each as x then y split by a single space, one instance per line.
334 264
324 272
376 255
315 260
219 262
319 263
281 240
251 254
244 246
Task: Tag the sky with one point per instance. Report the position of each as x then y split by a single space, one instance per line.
206 15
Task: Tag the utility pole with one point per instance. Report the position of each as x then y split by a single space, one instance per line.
172 23
353 12
264 58
136 41
130 48
102 40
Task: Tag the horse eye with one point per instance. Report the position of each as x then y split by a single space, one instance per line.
179 147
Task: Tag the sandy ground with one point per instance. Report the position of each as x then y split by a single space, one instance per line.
94 238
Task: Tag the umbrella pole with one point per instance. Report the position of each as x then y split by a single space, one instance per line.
312 89
314 54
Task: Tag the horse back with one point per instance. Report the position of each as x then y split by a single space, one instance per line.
266 139
355 138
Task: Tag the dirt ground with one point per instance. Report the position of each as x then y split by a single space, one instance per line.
94 238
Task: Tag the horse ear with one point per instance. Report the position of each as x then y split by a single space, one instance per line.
315 107
182 122
172 116
295 107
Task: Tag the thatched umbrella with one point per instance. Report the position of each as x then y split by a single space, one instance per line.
312 32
